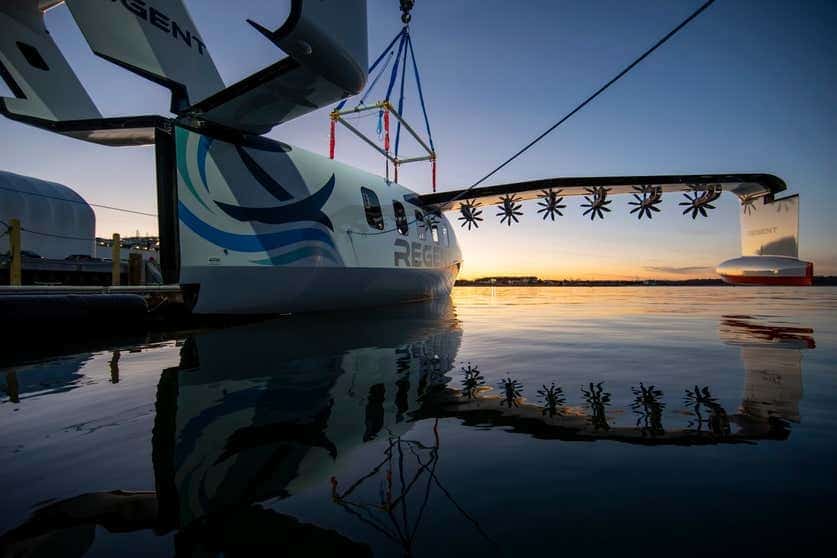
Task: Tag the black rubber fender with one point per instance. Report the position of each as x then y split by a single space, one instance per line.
50 311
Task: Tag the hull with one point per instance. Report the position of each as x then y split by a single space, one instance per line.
767 271
265 228
275 290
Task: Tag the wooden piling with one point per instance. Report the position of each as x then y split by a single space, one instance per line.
12 386
116 258
16 269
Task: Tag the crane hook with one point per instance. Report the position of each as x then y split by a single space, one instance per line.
406 6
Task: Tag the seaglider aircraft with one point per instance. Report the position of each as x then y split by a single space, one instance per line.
253 225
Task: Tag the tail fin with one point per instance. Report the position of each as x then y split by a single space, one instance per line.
44 85
156 39
770 228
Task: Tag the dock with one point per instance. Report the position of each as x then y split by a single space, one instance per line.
70 307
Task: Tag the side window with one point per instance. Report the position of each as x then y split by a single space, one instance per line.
434 232
400 218
445 237
422 230
372 207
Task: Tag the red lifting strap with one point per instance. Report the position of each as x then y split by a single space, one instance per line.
386 131
331 141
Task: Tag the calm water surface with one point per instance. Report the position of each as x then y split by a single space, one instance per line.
640 421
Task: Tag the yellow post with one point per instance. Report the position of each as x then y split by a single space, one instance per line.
135 269
116 257
16 269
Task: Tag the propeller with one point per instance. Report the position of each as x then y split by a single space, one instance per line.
596 202
551 204
510 209
470 214
428 221
647 202
748 205
701 200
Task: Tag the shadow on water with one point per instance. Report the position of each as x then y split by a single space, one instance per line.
258 413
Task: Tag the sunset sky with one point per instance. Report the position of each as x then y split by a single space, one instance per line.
750 86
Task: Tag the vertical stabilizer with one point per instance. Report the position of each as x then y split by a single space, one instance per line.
44 85
769 246
155 39
771 228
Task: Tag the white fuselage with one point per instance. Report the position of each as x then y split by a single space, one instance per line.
269 228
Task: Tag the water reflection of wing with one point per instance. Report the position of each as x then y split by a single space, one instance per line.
772 357
251 408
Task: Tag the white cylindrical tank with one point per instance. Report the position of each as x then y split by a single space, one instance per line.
56 221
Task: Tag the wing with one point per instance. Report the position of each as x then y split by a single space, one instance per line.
745 186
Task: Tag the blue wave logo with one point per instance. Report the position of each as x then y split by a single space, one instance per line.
306 210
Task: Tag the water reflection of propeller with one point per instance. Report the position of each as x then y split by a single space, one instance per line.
512 391
700 400
472 381
598 400
553 399
648 406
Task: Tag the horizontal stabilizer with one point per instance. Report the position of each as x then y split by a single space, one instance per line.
44 85
329 37
155 39
745 186
327 41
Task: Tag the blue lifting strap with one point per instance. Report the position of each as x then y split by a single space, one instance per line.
421 94
375 64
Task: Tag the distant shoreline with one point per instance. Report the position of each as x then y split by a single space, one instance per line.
822 280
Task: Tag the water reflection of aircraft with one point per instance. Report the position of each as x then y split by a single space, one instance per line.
262 412
259 412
